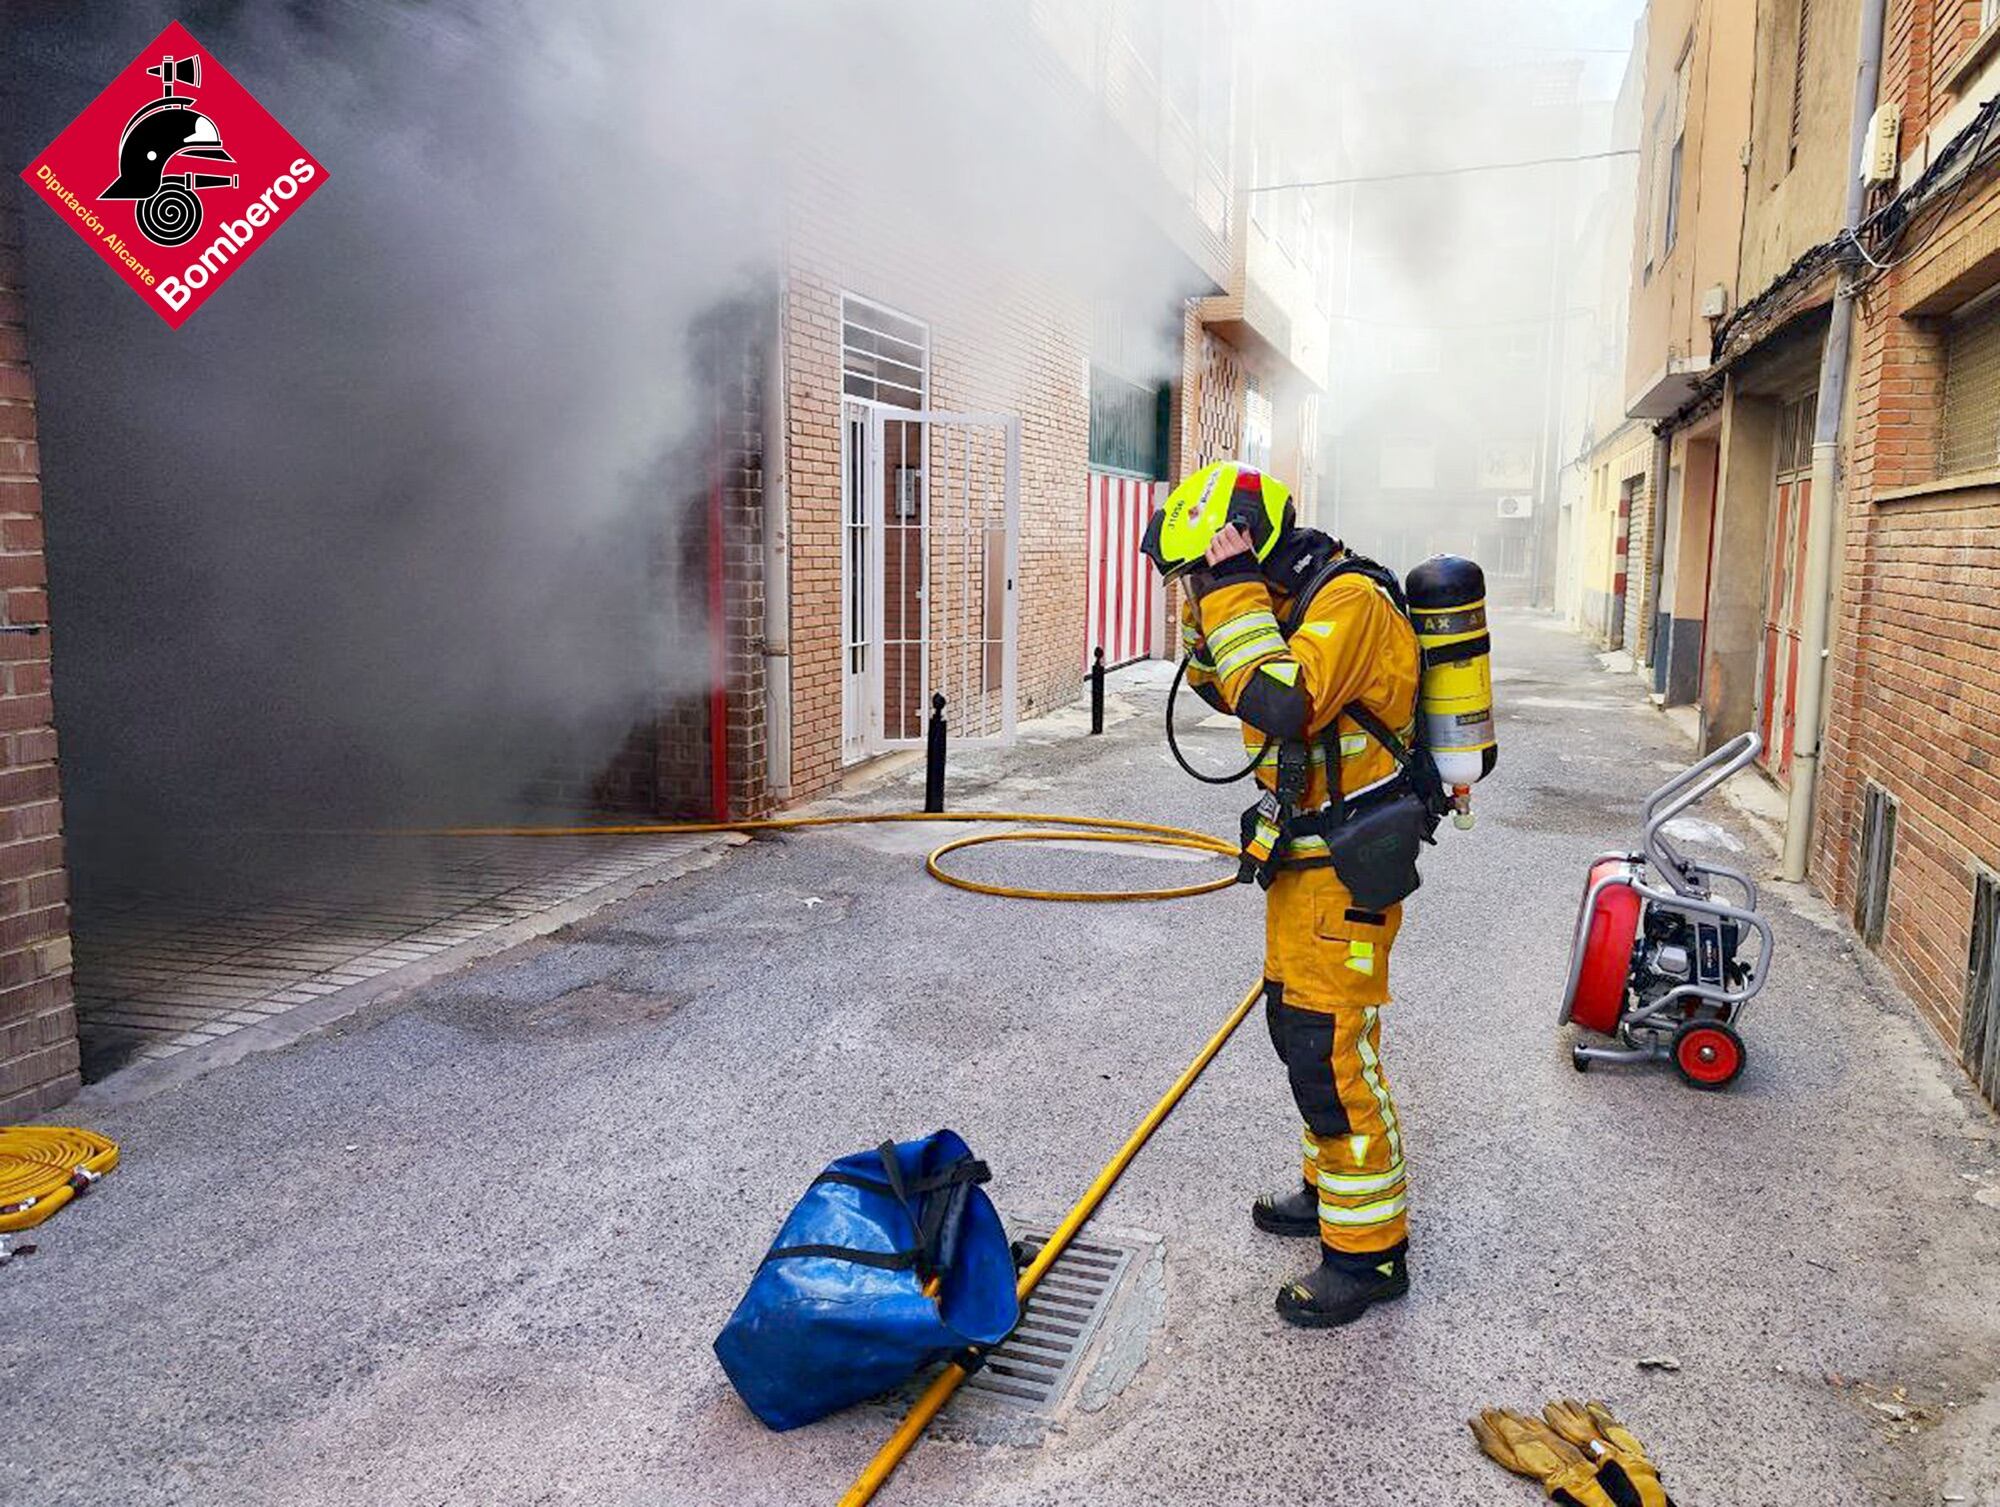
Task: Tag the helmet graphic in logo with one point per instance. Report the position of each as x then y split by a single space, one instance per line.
158 132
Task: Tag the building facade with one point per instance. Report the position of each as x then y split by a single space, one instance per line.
1896 790
1685 269
1907 827
38 1049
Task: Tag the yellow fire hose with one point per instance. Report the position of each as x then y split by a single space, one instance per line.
934 1397
42 1167
1109 829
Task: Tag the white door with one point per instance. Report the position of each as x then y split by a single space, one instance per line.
930 545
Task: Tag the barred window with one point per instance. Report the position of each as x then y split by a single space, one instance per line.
883 355
1970 439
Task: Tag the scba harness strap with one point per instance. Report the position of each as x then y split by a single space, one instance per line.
1271 825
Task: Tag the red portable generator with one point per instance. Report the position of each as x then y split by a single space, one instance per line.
1658 960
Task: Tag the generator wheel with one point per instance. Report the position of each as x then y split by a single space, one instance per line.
1708 1054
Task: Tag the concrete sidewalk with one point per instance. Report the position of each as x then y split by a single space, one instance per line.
470 1245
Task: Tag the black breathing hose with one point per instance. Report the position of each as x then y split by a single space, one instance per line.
1173 743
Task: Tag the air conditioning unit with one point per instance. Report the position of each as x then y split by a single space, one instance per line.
1517 507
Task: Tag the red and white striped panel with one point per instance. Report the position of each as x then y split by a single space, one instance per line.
1124 592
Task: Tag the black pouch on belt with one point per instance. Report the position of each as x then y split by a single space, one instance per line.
1373 842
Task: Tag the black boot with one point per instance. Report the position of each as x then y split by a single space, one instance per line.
1343 1286
1293 1213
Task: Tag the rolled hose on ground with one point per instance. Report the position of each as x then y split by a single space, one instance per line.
43 1167
1044 827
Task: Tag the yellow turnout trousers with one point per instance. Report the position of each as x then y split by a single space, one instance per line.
1326 966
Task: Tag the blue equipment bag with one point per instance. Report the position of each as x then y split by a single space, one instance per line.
837 1312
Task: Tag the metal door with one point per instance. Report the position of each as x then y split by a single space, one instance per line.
1122 597
929 560
860 482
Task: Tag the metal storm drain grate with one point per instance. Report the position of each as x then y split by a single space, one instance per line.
1032 1369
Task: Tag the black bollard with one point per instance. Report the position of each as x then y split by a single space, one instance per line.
934 758
1097 692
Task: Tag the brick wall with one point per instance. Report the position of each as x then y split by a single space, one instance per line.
1914 702
1002 339
38 1055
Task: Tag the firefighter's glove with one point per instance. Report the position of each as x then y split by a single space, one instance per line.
1594 1428
1529 1447
1194 648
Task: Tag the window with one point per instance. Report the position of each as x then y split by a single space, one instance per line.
1522 348
1408 465
883 355
1260 173
1969 438
1799 78
1507 465
1259 424
1670 231
1878 862
1795 436
1649 201
1128 424
1989 12
1979 1037
1323 276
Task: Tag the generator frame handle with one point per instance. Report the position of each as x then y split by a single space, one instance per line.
1693 784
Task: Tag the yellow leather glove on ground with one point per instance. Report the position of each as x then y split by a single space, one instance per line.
1529 1447
1594 1428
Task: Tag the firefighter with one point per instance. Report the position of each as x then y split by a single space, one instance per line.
1309 646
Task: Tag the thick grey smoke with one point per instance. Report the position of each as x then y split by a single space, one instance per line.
385 530
1461 303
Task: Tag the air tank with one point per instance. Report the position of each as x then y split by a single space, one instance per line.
1447 596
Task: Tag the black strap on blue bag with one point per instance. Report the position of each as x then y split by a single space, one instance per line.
934 1204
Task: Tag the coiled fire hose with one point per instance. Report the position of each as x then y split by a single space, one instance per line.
42 1167
1043 827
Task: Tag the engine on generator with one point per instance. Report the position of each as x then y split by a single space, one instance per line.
1675 950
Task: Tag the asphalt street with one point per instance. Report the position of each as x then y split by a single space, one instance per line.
470 1244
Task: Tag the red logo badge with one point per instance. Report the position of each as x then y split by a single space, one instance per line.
175 175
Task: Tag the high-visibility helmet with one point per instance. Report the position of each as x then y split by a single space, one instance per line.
1229 491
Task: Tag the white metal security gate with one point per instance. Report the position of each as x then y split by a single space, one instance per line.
929 548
